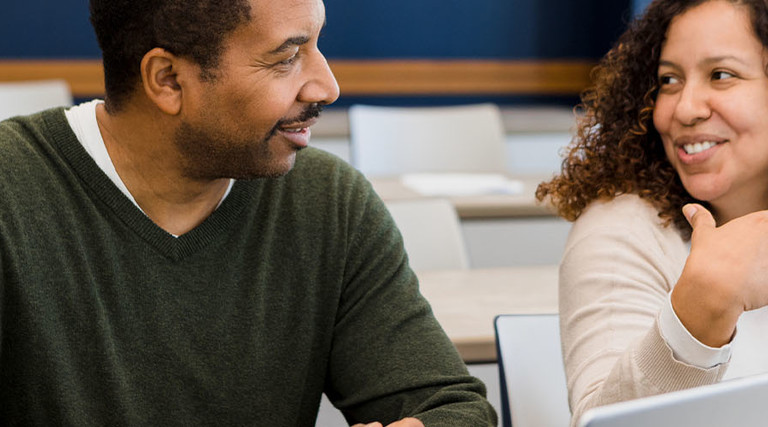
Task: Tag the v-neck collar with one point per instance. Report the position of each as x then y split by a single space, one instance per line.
176 248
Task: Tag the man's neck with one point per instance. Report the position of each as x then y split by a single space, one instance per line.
142 151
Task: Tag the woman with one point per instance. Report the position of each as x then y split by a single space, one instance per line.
678 114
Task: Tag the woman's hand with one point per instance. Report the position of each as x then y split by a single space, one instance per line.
725 275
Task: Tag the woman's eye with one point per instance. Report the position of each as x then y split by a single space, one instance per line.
667 80
721 75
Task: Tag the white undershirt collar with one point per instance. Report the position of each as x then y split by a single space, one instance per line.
82 120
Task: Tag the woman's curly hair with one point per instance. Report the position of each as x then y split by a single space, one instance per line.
617 150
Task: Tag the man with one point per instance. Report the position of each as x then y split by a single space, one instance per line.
173 257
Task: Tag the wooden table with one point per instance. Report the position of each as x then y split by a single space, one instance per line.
465 302
476 206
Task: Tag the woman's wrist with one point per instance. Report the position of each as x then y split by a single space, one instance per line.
709 313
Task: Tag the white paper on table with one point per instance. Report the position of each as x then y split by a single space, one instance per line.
461 184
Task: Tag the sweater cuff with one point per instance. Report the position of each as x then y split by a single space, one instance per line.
656 361
685 347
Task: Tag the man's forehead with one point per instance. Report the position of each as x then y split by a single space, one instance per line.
274 22
287 12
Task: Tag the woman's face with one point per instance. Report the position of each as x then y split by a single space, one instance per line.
712 107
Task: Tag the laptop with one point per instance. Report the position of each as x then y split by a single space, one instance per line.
738 402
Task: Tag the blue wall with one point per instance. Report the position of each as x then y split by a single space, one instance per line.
46 29
486 29
363 29
505 29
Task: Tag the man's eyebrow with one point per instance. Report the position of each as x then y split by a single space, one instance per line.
293 41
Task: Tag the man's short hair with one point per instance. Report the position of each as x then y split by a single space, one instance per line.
127 29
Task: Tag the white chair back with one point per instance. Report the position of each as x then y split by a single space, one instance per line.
21 98
431 233
532 377
400 140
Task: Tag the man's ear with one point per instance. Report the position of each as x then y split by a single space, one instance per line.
162 83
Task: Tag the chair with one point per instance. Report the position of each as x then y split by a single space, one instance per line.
400 140
431 233
20 98
531 372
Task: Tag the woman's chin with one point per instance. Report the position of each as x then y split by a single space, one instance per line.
706 190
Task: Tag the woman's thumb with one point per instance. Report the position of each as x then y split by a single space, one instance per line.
698 216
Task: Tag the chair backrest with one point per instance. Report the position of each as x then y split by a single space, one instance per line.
431 233
400 140
531 372
21 98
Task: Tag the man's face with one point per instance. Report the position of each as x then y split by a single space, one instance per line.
255 115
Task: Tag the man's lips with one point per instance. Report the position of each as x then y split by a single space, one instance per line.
298 132
297 126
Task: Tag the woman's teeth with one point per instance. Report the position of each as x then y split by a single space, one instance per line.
698 147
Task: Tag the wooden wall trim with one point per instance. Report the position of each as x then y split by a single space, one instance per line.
369 77
457 77
85 77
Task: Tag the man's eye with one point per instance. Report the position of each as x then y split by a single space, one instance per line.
288 61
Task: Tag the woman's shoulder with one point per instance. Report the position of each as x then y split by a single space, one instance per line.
623 210
627 216
624 203
625 231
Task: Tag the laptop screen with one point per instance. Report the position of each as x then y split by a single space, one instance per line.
737 402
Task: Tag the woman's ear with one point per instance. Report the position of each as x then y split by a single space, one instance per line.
160 78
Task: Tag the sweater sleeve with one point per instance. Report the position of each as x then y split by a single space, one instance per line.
390 358
619 266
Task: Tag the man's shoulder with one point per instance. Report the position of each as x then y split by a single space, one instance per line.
319 177
314 157
17 131
322 164
29 146
16 139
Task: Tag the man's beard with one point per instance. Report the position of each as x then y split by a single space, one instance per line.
208 151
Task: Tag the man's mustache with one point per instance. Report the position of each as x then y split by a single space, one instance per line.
310 112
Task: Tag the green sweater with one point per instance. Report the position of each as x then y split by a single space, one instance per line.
295 286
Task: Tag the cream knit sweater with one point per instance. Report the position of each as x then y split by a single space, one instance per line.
619 265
